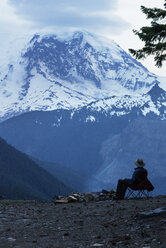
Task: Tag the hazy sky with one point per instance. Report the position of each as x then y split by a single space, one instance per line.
114 19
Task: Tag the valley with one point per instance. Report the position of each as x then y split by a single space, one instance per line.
84 110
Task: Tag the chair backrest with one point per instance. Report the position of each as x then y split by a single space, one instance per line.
145 185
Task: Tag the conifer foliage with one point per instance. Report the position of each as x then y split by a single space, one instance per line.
154 36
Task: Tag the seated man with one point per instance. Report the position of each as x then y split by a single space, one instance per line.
139 175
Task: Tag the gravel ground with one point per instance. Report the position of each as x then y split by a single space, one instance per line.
80 225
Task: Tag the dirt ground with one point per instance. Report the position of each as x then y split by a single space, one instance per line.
81 225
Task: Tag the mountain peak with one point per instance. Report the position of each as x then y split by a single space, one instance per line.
68 71
156 92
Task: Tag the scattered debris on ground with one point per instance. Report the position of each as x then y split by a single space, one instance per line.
86 197
133 223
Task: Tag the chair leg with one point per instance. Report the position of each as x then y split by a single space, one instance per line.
136 194
130 194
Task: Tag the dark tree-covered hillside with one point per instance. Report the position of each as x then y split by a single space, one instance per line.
22 178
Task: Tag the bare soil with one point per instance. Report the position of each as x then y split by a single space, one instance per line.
94 224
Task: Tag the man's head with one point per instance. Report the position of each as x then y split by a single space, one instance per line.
140 162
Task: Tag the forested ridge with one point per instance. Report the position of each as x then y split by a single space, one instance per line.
22 178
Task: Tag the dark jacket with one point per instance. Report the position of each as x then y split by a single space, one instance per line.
139 175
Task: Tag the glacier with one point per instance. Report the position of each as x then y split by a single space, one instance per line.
66 71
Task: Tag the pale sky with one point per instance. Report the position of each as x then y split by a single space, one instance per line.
114 19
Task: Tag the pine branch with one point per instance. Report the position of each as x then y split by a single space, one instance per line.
156 50
154 36
159 60
157 32
154 13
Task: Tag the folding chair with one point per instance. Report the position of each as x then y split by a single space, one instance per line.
137 193
142 190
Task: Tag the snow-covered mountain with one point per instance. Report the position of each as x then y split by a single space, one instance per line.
100 140
48 72
98 109
153 102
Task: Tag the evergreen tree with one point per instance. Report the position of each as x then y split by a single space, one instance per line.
154 36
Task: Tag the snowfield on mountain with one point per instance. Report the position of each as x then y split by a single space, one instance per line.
82 106
47 72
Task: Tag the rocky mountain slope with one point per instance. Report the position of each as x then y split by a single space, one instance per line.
68 71
127 223
153 102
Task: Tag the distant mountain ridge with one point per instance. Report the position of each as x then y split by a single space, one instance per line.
73 179
68 72
153 102
98 140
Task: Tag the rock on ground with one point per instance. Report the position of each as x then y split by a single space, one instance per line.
83 225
